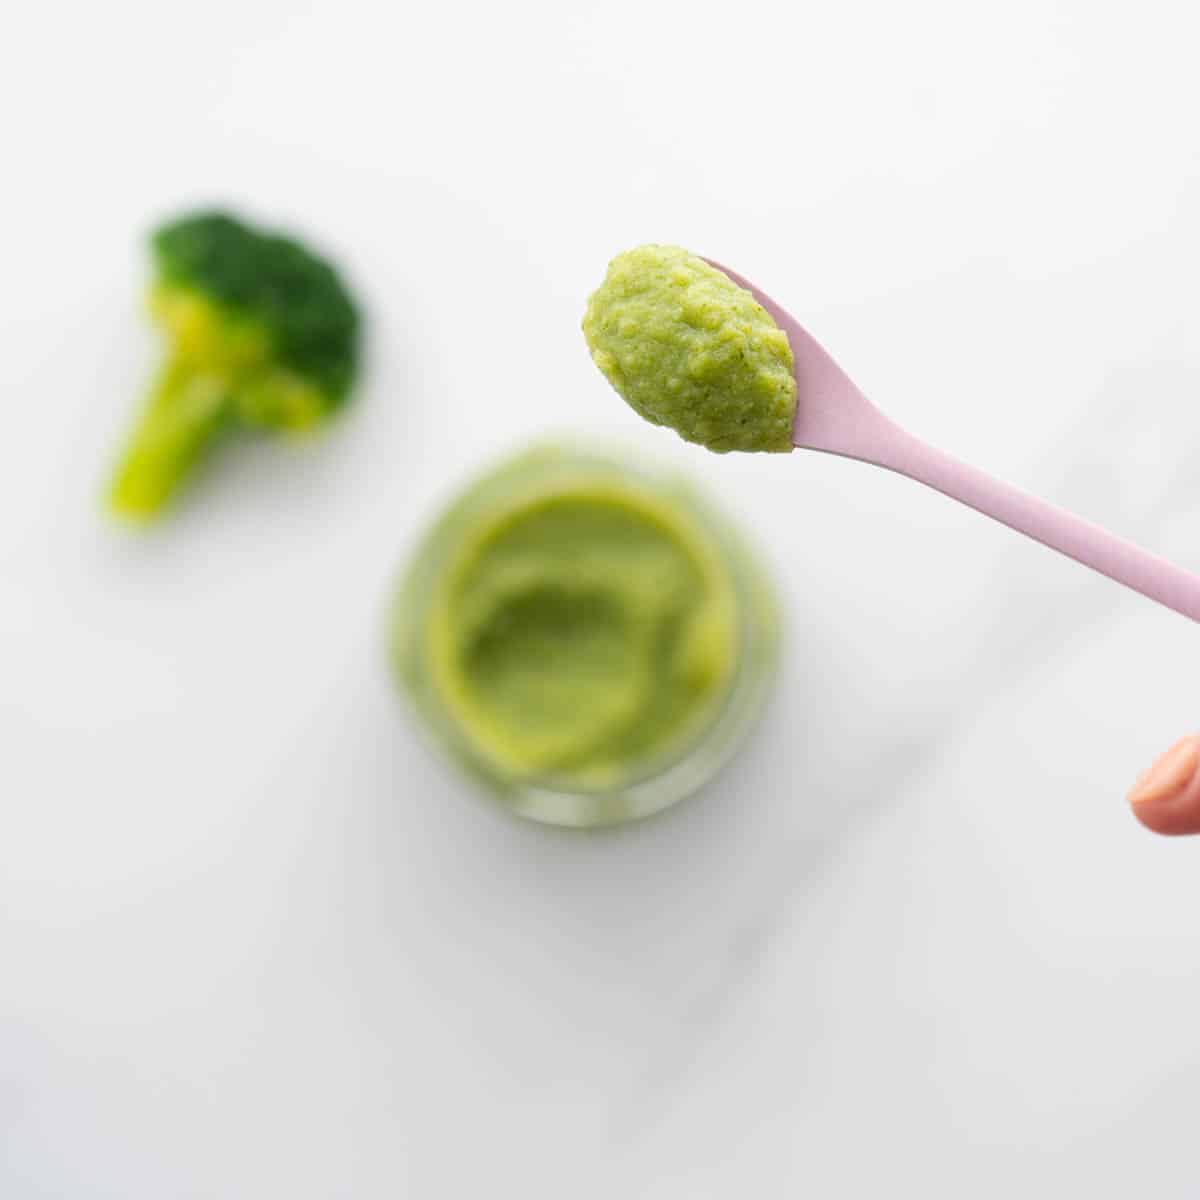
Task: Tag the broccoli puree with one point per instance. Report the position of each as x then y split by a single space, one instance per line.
688 348
581 627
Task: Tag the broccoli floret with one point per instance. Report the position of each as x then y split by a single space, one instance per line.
263 336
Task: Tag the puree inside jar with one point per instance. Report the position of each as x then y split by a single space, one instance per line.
581 628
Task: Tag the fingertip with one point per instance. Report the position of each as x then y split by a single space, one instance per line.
1166 799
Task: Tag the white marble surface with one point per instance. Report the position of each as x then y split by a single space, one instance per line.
254 943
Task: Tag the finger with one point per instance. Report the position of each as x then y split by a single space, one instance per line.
1166 798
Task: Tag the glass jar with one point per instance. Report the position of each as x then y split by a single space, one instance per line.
646 782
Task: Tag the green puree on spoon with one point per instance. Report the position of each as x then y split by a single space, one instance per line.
687 348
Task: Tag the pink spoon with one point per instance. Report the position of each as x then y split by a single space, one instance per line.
835 417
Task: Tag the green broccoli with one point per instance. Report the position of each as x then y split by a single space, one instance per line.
263 335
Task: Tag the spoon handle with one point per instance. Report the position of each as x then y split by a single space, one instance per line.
1136 568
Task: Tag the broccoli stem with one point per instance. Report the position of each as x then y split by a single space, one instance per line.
186 410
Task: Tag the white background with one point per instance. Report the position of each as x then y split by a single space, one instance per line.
254 942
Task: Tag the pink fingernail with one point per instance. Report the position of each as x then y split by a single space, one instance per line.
1170 774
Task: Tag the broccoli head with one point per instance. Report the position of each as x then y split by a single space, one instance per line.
262 336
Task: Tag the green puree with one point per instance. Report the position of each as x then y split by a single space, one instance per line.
688 348
580 627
